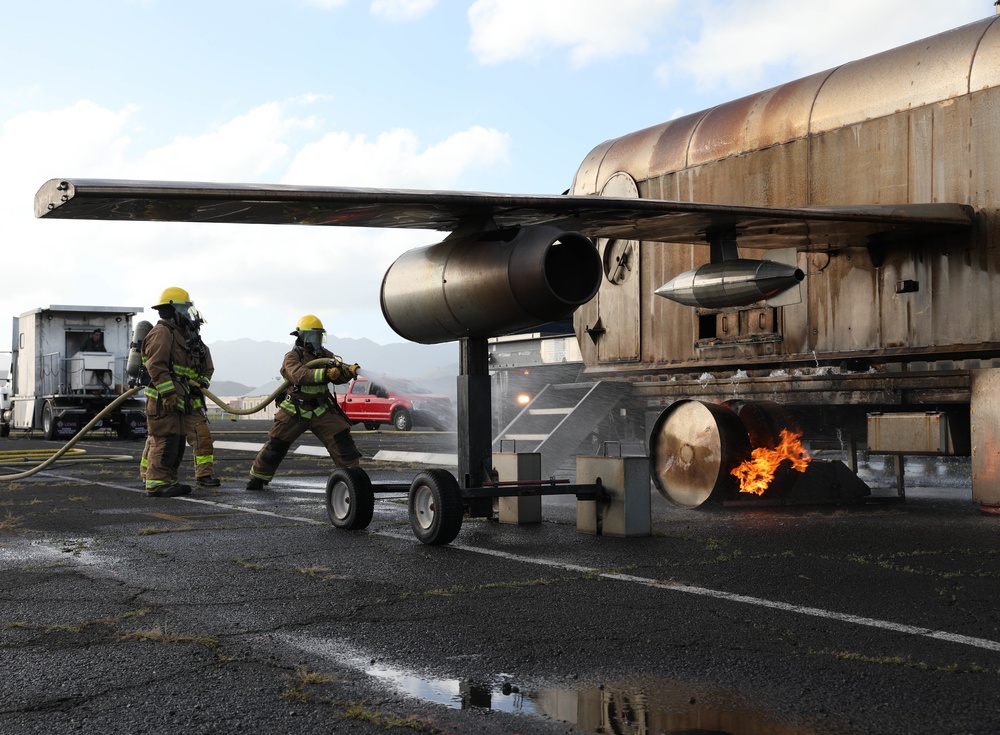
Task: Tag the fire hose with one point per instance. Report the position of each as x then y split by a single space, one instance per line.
57 454
79 435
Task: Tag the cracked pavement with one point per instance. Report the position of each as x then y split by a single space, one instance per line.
232 612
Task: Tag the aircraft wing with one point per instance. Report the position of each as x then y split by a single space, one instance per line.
804 228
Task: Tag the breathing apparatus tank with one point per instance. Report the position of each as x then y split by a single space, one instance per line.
134 363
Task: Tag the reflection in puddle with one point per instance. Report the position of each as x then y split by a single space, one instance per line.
660 707
454 693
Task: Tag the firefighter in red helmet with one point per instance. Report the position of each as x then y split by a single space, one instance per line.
308 405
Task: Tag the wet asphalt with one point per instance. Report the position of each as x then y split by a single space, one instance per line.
236 612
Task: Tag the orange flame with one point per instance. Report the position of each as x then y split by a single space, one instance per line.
756 473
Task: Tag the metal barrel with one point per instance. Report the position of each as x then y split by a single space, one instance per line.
693 446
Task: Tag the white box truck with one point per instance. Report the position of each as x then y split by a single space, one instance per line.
68 364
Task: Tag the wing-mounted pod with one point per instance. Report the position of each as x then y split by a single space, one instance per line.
730 280
731 283
489 284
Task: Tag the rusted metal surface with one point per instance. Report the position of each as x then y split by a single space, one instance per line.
909 433
720 133
781 114
919 73
986 438
818 389
915 124
985 71
671 149
621 261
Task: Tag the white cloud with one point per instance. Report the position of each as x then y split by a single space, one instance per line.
401 10
245 148
504 30
739 42
396 159
81 135
249 280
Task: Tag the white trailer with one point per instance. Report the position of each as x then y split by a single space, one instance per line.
58 382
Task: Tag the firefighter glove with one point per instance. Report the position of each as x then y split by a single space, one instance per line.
169 401
203 382
334 375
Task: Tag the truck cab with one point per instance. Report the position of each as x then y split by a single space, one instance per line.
67 366
399 403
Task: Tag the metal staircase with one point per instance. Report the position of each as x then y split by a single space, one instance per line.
559 419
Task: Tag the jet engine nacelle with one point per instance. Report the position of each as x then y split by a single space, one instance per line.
489 284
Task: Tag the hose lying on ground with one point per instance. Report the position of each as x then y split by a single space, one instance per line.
79 435
321 362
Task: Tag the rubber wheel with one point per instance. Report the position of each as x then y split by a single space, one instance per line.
4 430
401 420
371 425
48 422
350 502
435 507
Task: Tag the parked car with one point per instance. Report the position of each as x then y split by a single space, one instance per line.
399 403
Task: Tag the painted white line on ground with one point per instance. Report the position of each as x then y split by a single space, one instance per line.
255 447
239 446
983 643
439 460
383 455
942 635
201 501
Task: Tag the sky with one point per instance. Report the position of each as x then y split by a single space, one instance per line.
490 95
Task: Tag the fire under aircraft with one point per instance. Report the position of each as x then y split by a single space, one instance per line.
830 245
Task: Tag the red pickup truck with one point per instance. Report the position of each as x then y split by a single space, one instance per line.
397 402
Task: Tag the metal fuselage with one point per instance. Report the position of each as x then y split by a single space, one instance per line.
892 323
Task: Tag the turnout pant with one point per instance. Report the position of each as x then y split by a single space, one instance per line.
165 447
332 428
199 438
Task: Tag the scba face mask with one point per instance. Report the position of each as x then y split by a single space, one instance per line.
314 338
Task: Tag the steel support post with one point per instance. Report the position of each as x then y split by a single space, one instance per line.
475 440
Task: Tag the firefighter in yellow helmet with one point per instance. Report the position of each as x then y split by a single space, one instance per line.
196 431
308 405
166 358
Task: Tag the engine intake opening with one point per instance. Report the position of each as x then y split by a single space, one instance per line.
565 266
482 286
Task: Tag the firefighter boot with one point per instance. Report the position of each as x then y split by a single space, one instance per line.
208 481
169 491
255 483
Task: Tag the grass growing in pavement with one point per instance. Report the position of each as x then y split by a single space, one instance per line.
159 635
295 688
358 711
905 662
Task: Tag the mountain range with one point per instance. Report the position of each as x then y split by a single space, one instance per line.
241 365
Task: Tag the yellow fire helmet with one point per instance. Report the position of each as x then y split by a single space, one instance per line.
173 296
308 322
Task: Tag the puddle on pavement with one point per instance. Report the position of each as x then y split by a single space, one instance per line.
641 708
648 709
